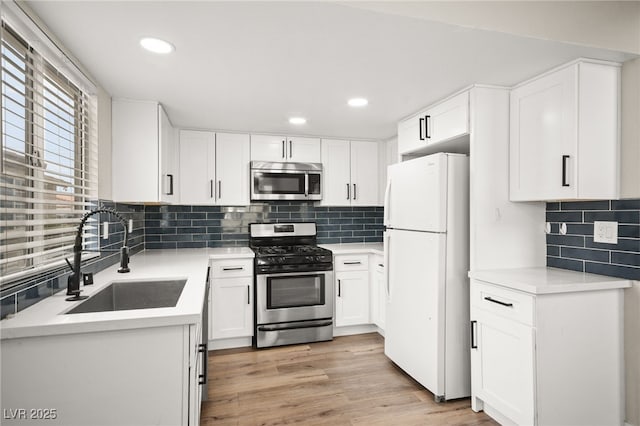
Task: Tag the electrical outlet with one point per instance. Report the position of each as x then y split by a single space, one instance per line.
605 232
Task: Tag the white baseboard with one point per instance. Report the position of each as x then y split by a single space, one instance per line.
238 342
354 329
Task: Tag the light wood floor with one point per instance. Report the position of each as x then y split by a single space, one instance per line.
348 381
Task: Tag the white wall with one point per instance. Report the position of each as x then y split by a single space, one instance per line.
607 24
104 145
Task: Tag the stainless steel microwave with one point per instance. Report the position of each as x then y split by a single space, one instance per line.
286 181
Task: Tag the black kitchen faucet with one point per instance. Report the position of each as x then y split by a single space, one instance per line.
73 282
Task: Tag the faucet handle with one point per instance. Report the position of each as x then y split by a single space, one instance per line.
70 266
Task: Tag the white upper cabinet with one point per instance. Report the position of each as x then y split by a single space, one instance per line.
350 170
564 137
441 122
285 149
169 159
143 151
214 168
232 169
197 167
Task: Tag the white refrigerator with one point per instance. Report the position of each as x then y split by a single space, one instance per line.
427 260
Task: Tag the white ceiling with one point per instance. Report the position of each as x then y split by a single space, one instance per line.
248 66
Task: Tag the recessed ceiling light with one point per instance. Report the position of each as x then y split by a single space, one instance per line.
156 45
297 120
358 102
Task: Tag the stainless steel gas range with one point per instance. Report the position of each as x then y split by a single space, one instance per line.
294 285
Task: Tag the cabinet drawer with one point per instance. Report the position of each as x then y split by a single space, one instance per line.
502 301
356 262
232 268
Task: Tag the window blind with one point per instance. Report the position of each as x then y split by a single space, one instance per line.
49 159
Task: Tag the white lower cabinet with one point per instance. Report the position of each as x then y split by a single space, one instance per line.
547 359
378 291
143 376
231 304
352 289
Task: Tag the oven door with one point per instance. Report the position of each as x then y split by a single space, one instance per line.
294 296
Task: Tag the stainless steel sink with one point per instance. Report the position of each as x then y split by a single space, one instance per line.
124 295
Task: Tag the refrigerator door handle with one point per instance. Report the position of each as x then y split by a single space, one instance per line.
387 246
387 194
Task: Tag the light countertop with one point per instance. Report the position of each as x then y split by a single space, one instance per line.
48 316
548 280
353 248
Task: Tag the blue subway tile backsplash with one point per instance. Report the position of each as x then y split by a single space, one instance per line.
218 226
577 251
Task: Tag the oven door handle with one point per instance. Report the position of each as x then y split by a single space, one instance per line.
294 273
293 327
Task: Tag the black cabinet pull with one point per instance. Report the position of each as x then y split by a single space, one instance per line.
427 126
239 268
219 189
564 170
354 191
283 149
420 124
474 344
248 295
489 299
357 262
211 188
170 192
339 288
348 191
203 349
290 149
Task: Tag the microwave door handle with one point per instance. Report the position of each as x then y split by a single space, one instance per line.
306 184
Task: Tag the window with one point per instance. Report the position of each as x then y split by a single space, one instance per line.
49 159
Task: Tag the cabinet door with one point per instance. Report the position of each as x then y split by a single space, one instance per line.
303 150
168 158
411 135
195 370
380 288
352 298
197 167
135 166
336 189
268 148
502 369
232 307
364 174
232 169
543 138
448 119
